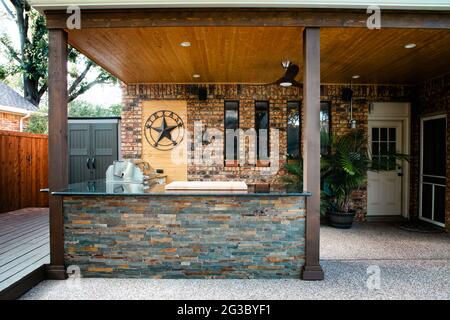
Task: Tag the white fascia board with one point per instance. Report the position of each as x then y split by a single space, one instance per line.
8 109
42 5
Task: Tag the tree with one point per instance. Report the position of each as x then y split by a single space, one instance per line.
85 110
31 60
38 122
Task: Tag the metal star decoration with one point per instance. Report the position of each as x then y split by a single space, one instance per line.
165 131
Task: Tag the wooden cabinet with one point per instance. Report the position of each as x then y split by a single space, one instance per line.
93 147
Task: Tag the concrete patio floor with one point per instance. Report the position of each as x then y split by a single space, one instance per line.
411 265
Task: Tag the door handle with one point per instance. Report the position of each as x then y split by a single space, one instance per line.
88 162
93 163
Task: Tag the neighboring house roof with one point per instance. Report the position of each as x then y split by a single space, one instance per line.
12 102
42 5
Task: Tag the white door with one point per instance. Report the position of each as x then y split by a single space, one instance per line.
384 188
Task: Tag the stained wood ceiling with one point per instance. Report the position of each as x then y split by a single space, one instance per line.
254 54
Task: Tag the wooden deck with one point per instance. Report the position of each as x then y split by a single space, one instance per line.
24 245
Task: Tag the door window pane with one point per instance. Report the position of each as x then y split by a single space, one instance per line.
392 134
383 134
427 201
384 147
375 134
439 204
434 147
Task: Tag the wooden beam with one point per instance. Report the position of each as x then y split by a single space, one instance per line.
311 151
57 147
120 18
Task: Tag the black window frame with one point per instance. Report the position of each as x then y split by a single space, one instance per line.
300 127
266 108
326 105
236 107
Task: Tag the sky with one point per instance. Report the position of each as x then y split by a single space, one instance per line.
104 95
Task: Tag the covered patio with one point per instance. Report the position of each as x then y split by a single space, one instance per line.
235 54
412 266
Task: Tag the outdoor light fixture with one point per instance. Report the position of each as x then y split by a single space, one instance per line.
410 46
185 44
286 84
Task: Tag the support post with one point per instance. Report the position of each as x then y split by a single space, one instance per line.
57 148
311 151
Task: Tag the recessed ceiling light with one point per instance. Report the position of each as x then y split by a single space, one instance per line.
196 76
356 76
410 46
185 44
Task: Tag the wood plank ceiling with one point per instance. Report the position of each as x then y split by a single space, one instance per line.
254 54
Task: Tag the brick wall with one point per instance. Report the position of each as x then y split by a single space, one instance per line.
9 121
261 236
211 113
432 97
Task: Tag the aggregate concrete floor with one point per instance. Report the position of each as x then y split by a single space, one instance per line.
409 265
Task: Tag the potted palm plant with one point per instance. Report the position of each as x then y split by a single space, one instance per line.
293 181
344 171
345 161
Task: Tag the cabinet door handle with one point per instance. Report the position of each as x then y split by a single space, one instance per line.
88 163
93 163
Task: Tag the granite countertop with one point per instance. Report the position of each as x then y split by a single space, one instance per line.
102 188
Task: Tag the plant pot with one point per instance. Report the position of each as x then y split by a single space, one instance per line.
341 220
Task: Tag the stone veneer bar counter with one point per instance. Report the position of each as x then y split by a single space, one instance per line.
124 231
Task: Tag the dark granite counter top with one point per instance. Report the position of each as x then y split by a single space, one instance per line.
102 188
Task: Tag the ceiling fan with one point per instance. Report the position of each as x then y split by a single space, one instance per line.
288 80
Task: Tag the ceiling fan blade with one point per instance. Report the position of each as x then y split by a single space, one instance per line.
295 83
292 71
289 76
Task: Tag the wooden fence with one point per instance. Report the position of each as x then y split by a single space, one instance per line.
23 170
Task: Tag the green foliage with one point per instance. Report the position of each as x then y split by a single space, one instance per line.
35 63
86 109
38 122
293 180
344 169
3 73
31 60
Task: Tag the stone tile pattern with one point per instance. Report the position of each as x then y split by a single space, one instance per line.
211 112
433 97
208 237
